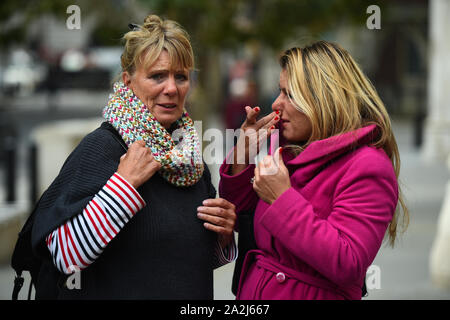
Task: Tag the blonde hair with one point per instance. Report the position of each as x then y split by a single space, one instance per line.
326 84
144 44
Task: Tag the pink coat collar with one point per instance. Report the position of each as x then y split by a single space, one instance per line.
333 146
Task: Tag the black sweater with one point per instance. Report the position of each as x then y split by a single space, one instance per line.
164 252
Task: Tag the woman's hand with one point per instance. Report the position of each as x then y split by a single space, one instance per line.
253 134
271 178
138 164
220 217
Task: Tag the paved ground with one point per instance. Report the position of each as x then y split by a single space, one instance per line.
404 270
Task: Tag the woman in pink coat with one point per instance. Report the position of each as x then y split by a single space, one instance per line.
324 202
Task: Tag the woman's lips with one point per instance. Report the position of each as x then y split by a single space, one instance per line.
167 106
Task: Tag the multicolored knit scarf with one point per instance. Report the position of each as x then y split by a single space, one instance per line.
181 162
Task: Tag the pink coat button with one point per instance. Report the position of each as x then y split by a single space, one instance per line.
280 277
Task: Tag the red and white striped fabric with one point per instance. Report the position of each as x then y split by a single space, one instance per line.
81 240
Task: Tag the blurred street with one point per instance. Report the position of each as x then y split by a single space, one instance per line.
404 269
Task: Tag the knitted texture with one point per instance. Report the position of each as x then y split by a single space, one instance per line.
181 160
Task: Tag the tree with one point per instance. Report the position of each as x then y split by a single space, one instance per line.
215 25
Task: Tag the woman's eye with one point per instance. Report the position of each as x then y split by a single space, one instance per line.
287 94
157 76
181 77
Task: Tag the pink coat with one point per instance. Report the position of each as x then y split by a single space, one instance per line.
318 238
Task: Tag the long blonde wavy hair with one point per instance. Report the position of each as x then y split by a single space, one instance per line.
327 85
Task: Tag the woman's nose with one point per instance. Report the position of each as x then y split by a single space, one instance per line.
276 105
171 86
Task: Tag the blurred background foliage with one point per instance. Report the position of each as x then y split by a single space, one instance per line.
270 22
214 23
211 23
214 26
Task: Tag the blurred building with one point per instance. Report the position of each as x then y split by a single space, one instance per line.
437 130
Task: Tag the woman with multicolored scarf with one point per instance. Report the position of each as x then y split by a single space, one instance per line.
133 210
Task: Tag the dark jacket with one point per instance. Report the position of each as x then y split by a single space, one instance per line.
164 252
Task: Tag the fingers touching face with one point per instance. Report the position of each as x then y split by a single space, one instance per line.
296 125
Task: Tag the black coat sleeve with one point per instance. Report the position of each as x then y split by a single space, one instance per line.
84 173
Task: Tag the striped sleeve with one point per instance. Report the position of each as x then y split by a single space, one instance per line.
81 240
222 256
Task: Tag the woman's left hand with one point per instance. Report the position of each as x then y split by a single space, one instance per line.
220 217
271 178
